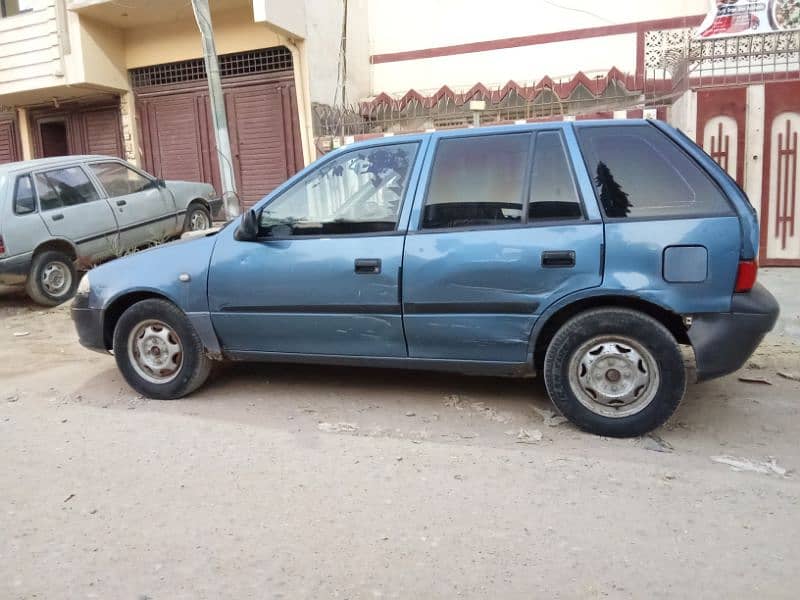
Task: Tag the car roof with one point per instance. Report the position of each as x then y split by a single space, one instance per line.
53 161
485 130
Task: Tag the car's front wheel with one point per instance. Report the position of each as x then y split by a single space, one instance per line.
158 350
615 372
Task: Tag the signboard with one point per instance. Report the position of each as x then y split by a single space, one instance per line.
741 17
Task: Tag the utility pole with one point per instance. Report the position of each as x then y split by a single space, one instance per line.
230 199
343 66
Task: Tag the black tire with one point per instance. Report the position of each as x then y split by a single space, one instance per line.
36 287
194 367
196 209
604 324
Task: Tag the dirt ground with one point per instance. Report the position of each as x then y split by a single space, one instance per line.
307 482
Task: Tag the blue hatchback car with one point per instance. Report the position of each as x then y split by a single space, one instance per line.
588 252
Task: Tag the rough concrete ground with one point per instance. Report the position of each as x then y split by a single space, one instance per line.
307 482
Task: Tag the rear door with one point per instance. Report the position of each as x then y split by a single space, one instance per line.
145 212
672 236
72 208
500 231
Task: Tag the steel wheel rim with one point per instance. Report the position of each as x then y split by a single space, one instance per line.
199 221
56 278
155 351
614 376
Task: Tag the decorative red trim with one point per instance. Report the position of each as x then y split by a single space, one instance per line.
540 38
562 89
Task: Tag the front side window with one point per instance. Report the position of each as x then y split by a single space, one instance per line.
62 188
359 192
477 181
119 180
24 196
639 172
553 193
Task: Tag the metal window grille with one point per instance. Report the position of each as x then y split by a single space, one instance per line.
264 60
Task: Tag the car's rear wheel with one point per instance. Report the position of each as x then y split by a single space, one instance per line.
52 278
615 372
158 351
197 218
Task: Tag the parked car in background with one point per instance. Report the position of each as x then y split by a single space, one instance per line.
64 213
588 252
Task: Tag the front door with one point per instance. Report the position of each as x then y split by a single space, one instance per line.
323 277
502 233
145 212
72 209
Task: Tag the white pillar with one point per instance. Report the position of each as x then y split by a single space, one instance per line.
683 114
754 145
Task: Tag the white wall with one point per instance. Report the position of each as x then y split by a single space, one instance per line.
318 24
421 24
683 114
324 26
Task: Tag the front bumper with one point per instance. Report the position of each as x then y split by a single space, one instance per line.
723 342
217 213
14 270
89 324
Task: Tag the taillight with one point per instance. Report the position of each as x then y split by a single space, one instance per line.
2 246
746 275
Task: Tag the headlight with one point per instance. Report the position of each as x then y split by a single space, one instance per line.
84 286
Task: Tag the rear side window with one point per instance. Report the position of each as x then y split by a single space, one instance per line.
639 172
64 187
24 196
477 181
553 194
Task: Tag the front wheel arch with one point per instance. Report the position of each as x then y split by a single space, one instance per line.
118 306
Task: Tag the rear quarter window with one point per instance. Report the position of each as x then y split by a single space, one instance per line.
638 172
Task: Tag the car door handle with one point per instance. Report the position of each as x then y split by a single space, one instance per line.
121 203
58 217
554 259
368 266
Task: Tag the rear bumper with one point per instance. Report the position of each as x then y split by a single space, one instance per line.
723 342
89 325
14 270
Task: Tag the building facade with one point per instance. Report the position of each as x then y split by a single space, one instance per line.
128 79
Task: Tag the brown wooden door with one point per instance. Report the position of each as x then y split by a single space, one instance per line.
174 136
101 132
264 138
178 136
9 142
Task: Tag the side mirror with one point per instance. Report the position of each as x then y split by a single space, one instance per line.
247 231
161 183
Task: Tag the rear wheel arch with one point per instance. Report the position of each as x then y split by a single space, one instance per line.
544 332
57 245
